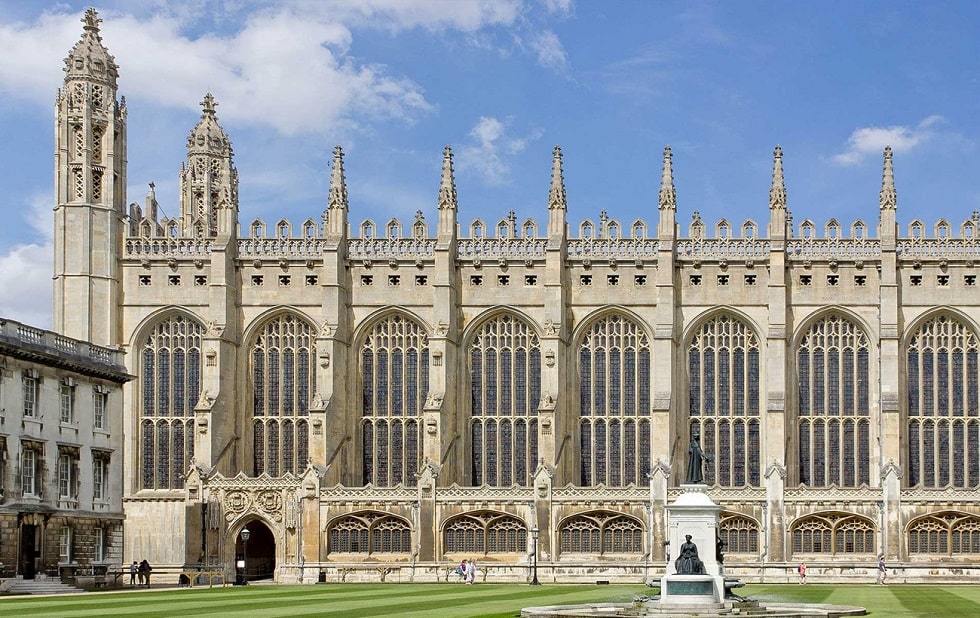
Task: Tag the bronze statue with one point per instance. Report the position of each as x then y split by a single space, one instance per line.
688 562
696 459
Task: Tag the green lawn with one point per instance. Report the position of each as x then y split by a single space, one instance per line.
460 601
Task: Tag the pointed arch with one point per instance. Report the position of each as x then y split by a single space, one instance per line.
393 229
739 533
917 229
614 230
586 230
942 363
943 229
723 229
529 228
484 533
834 533
309 229
505 392
169 348
368 533
859 230
614 382
478 229
750 229
834 371
600 532
394 378
832 230
284 229
724 374
282 352
639 229
945 533
258 228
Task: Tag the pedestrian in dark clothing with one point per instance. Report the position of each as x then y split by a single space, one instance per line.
144 573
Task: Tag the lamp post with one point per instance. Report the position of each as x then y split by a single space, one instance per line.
534 556
245 535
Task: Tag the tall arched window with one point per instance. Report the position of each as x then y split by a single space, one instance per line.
505 388
283 381
395 383
943 412
170 383
723 374
614 395
834 425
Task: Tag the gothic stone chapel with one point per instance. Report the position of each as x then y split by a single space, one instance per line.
379 400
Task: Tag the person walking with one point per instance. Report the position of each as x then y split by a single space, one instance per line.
882 571
470 571
802 571
132 573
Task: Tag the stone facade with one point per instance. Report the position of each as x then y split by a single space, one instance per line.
380 400
61 455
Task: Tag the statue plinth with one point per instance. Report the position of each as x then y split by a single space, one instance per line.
694 573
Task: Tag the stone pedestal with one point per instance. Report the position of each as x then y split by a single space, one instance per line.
693 514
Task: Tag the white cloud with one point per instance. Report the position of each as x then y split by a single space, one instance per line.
559 7
27 269
550 52
489 156
867 141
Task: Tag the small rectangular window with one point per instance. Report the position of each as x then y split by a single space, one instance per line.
722 279
942 280
832 280
503 280
806 280
585 280
30 395
66 393
860 280
285 280
65 544
28 472
969 280
750 279
99 478
99 401
421 280
915 280
612 280
639 280
394 280
695 280
530 280
99 544
173 280
145 281
476 280
257 280
200 280
367 280
311 280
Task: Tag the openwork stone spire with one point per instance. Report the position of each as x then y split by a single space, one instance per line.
556 194
208 137
888 198
447 186
668 196
89 58
777 192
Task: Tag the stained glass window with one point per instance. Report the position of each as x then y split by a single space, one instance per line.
834 428
282 355
170 391
504 347
942 395
614 389
394 387
945 534
717 395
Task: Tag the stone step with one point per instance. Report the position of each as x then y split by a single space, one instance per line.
35 586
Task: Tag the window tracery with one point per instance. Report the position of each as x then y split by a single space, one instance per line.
945 534
394 385
723 385
833 367
614 397
834 534
601 532
505 388
942 372
485 532
283 383
170 382
740 534
369 533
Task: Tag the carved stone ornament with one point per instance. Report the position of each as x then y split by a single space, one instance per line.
326 329
271 503
776 467
236 502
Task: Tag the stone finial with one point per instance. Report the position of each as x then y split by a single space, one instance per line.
337 196
447 185
777 192
888 198
91 20
668 196
556 193
209 105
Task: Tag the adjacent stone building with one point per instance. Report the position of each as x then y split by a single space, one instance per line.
382 399
61 458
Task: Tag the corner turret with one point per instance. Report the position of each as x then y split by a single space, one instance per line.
209 180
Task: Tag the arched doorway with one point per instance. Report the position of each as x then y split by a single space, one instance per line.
261 560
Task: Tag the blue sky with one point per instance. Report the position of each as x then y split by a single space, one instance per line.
503 82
